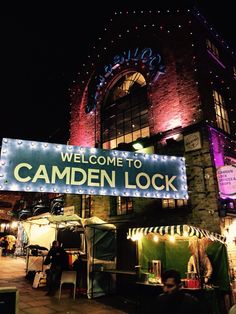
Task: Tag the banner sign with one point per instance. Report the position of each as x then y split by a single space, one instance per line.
55 168
226 176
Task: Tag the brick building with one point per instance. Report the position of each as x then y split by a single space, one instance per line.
165 80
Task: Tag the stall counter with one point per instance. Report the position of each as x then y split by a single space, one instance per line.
147 292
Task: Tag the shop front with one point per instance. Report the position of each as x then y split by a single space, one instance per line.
199 255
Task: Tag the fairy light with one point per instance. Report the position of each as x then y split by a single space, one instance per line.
137 236
14 224
155 238
185 234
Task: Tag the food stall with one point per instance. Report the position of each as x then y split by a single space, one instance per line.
170 247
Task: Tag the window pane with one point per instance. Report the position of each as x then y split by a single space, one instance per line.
113 144
164 203
106 145
221 112
128 138
128 127
144 120
145 132
136 135
125 110
135 112
127 115
136 124
120 140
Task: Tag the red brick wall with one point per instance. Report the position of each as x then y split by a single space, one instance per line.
82 124
175 97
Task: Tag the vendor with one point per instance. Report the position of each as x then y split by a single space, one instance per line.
58 259
199 262
4 245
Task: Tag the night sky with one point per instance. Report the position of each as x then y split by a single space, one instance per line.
42 51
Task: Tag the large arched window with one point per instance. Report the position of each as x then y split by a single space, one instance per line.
124 115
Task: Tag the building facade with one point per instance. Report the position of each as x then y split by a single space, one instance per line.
163 80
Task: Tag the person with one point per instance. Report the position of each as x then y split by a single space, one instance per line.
58 258
174 300
77 266
199 262
80 267
5 246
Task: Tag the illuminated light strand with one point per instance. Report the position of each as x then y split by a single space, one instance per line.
198 14
75 190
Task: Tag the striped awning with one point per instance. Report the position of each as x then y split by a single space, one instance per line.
181 230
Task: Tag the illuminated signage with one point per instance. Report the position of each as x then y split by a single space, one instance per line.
151 60
226 176
45 167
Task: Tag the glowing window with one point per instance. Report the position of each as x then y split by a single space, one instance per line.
222 119
234 71
172 203
86 206
124 116
212 48
121 206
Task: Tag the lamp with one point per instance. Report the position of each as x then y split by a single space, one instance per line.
137 145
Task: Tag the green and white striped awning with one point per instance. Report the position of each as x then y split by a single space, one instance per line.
181 230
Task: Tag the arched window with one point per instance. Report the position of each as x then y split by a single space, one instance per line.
124 115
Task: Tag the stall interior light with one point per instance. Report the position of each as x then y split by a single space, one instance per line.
156 239
14 224
137 236
137 145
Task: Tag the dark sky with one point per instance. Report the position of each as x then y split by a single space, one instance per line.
40 55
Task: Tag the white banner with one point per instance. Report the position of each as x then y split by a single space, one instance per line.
226 176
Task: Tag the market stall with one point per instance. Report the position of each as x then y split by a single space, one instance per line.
101 252
164 247
92 238
41 231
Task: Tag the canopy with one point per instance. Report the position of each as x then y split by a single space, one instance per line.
47 218
42 229
99 235
177 254
95 222
64 219
39 230
181 230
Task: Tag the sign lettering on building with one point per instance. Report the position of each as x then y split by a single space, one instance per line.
55 168
151 60
192 141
